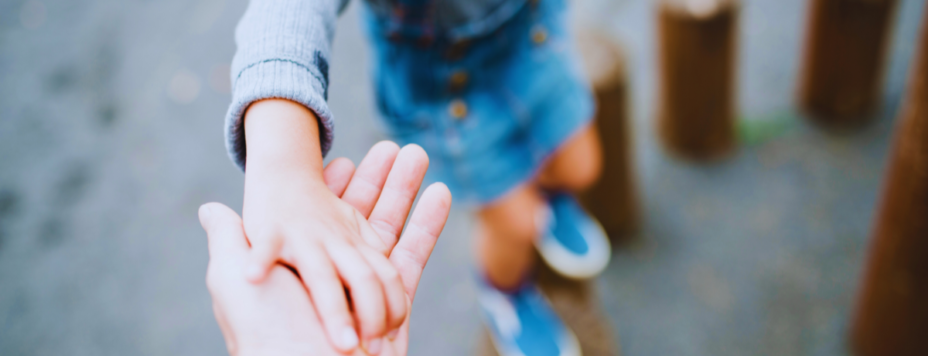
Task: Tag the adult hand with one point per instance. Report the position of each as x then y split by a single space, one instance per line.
291 216
276 316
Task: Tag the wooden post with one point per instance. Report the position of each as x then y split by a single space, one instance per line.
845 51
696 41
892 314
612 200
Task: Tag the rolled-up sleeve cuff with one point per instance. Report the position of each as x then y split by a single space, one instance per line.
276 78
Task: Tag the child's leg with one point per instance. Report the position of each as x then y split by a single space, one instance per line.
576 245
506 234
508 228
506 254
576 165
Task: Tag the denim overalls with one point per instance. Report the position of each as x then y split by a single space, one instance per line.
489 109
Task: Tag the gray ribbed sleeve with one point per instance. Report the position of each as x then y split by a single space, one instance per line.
283 49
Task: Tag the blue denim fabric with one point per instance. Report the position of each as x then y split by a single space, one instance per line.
452 19
524 95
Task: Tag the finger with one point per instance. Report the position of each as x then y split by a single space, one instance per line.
337 174
227 334
393 289
398 194
263 256
370 236
224 231
368 179
366 291
413 249
328 296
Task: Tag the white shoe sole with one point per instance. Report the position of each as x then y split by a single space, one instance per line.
567 263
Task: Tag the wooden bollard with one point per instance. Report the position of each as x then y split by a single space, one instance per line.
845 52
696 41
892 314
612 200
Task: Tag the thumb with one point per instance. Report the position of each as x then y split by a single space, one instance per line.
223 230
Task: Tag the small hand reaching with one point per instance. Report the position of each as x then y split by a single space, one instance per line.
276 315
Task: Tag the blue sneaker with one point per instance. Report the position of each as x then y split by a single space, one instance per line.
523 324
572 243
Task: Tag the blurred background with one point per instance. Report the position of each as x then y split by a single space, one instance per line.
111 137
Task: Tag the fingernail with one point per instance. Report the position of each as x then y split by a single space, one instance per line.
392 335
373 346
349 338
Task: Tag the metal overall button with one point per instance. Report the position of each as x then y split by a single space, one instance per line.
458 109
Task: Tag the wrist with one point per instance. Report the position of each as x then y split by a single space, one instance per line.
282 138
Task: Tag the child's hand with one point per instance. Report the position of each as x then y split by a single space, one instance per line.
275 317
291 215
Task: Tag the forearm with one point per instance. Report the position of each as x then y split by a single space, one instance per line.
283 49
283 146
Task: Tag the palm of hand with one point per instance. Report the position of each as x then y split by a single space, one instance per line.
322 230
330 246
278 315
274 317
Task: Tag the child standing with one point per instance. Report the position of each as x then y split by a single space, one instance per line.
493 92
